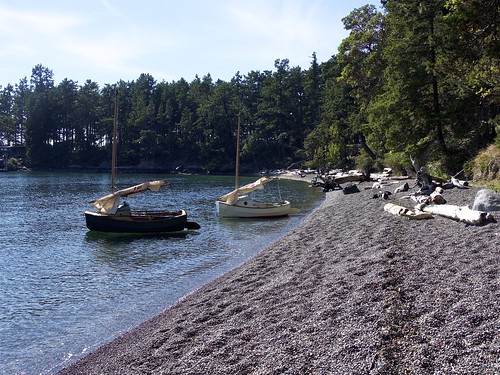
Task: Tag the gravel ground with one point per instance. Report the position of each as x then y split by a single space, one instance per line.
352 290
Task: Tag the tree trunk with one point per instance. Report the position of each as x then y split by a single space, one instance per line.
436 116
362 142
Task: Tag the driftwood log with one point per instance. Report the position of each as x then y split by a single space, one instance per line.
333 182
349 178
459 213
431 202
327 183
428 183
436 196
402 188
406 212
459 184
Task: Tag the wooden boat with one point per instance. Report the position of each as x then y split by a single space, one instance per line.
139 222
245 207
237 204
113 216
119 218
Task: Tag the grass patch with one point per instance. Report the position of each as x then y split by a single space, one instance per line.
485 168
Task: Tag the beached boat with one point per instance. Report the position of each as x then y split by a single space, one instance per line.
114 216
237 204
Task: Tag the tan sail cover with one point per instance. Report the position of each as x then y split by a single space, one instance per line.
109 203
232 197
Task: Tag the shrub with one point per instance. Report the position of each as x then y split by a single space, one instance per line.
364 163
13 164
399 162
485 167
487 164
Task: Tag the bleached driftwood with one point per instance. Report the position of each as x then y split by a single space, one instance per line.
436 196
402 188
426 182
459 184
406 212
349 178
395 179
419 199
327 183
382 194
459 213
382 184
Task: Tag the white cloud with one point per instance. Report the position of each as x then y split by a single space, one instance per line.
108 40
13 22
286 29
25 34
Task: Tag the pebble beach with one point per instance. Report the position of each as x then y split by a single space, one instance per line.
351 290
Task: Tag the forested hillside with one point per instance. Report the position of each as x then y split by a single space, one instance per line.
416 78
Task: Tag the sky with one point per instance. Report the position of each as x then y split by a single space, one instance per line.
111 40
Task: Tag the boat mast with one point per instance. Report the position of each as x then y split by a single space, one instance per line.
113 153
237 154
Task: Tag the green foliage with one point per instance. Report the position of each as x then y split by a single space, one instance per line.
486 165
365 163
399 162
418 78
14 164
439 169
326 147
359 53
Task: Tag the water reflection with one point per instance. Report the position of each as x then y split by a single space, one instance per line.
116 238
250 229
128 250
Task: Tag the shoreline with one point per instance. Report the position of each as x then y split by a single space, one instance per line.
351 290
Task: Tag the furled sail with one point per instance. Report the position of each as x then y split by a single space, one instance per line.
232 197
109 203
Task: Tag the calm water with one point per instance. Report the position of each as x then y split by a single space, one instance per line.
65 290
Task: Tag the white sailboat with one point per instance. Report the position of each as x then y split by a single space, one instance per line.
237 204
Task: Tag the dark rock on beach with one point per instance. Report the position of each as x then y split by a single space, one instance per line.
352 290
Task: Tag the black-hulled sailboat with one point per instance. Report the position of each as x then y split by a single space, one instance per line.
112 215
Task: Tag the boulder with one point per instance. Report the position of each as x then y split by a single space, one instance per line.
486 200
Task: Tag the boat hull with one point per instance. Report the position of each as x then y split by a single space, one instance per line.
247 208
137 222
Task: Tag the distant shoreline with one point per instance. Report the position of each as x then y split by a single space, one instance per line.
291 175
139 170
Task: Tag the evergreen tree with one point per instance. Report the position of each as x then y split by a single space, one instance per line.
20 110
40 134
471 45
63 98
89 137
7 121
360 55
